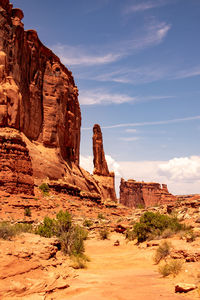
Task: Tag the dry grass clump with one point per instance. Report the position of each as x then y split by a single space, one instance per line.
8 231
162 252
79 261
104 233
173 267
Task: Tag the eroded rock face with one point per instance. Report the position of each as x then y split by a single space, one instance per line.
38 95
39 99
104 178
16 173
141 194
100 164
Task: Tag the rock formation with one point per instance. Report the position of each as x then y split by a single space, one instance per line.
39 100
15 164
100 164
142 194
104 178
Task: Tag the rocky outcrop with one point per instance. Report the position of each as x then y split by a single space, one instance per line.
31 267
104 178
100 164
16 173
141 194
38 95
39 99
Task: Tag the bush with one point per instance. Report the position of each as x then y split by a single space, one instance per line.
71 236
153 224
104 233
100 216
7 231
87 223
79 261
47 229
188 235
44 188
162 252
172 267
27 212
130 235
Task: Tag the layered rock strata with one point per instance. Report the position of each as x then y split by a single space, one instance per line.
104 178
16 173
39 99
142 194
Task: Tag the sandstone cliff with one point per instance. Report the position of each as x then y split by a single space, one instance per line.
39 100
142 194
105 179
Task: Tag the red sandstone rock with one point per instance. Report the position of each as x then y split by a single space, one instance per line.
16 173
38 97
104 178
135 194
100 164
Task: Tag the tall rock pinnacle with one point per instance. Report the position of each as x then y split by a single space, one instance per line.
100 164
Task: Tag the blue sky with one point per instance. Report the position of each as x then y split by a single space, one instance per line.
137 68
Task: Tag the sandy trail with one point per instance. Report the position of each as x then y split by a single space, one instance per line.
120 273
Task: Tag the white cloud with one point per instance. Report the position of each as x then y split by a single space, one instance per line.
190 72
86 162
183 168
131 130
130 139
89 56
100 96
172 121
182 175
143 6
78 55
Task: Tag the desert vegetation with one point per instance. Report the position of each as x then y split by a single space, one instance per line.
70 236
153 225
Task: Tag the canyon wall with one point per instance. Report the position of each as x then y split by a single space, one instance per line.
142 194
40 116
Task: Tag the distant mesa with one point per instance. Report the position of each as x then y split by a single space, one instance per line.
143 194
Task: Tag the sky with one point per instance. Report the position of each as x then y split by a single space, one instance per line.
137 67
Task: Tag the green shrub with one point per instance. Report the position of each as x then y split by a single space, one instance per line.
7 231
47 229
130 235
79 261
63 222
87 223
100 216
162 252
104 233
188 235
153 224
23 227
172 267
27 212
71 236
44 188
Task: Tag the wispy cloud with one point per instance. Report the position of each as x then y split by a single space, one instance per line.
152 34
100 96
139 7
129 139
187 73
131 130
78 55
164 122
